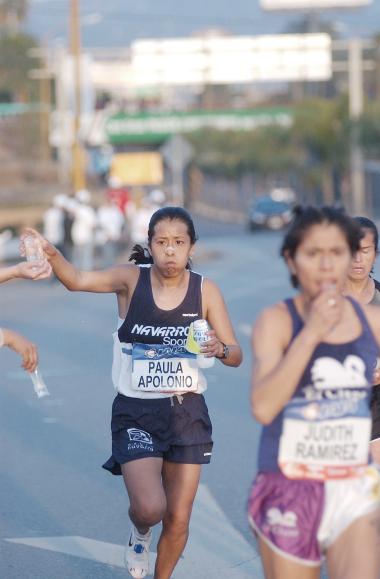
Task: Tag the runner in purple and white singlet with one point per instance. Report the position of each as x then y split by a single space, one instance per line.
316 495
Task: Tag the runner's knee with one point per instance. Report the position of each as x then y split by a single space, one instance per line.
177 523
147 514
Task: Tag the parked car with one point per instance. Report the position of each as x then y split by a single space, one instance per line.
266 213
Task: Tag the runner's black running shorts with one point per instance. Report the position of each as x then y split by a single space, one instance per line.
177 429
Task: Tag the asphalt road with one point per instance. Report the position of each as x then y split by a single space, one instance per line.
61 515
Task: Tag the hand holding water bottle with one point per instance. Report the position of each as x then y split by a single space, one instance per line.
200 341
31 247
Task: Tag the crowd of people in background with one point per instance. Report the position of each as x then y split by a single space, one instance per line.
90 235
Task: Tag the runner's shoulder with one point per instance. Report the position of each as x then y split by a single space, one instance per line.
274 322
210 287
127 274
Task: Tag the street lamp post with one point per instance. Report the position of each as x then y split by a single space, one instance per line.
78 173
356 109
44 77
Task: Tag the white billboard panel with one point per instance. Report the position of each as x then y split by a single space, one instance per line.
311 4
225 60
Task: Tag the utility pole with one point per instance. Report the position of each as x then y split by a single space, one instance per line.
78 172
44 76
358 201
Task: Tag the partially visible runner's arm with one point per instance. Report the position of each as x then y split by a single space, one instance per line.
27 350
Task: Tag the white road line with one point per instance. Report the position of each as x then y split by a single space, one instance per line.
99 551
216 550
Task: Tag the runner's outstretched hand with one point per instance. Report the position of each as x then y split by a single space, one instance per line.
22 346
34 269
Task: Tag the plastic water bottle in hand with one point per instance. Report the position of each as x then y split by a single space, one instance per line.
39 385
33 248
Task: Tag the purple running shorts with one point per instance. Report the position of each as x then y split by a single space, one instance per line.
300 519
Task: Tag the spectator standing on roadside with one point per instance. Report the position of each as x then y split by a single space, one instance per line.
53 221
83 230
110 229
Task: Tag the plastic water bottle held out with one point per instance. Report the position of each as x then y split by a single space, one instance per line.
33 249
200 329
39 385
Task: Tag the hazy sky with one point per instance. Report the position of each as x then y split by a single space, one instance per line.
118 22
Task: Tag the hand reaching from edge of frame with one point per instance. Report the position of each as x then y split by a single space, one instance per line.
22 346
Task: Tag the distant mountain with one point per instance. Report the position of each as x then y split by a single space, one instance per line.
118 22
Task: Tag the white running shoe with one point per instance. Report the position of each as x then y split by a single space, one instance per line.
137 553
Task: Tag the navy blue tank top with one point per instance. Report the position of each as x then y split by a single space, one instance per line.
146 323
339 372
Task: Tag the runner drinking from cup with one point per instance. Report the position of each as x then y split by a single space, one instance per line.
161 430
315 494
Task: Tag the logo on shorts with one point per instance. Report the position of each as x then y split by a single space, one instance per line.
277 518
137 435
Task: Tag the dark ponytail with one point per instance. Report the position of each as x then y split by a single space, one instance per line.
140 255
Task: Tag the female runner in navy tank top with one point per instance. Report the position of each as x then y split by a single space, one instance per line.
316 495
161 430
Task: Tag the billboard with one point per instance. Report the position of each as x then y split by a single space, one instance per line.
311 4
228 60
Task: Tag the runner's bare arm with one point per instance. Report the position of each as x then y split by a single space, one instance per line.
115 279
215 312
277 371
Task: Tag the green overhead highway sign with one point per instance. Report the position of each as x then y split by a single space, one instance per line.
149 127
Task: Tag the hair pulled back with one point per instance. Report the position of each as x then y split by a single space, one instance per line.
304 218
368 225
140 255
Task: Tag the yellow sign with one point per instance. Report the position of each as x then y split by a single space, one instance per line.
138 168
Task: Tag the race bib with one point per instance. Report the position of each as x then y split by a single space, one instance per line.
325 440
161 368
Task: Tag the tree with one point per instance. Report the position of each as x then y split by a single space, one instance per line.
264 151
15 64
369 130
12 14
321 133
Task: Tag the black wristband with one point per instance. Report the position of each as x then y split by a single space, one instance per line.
225 353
